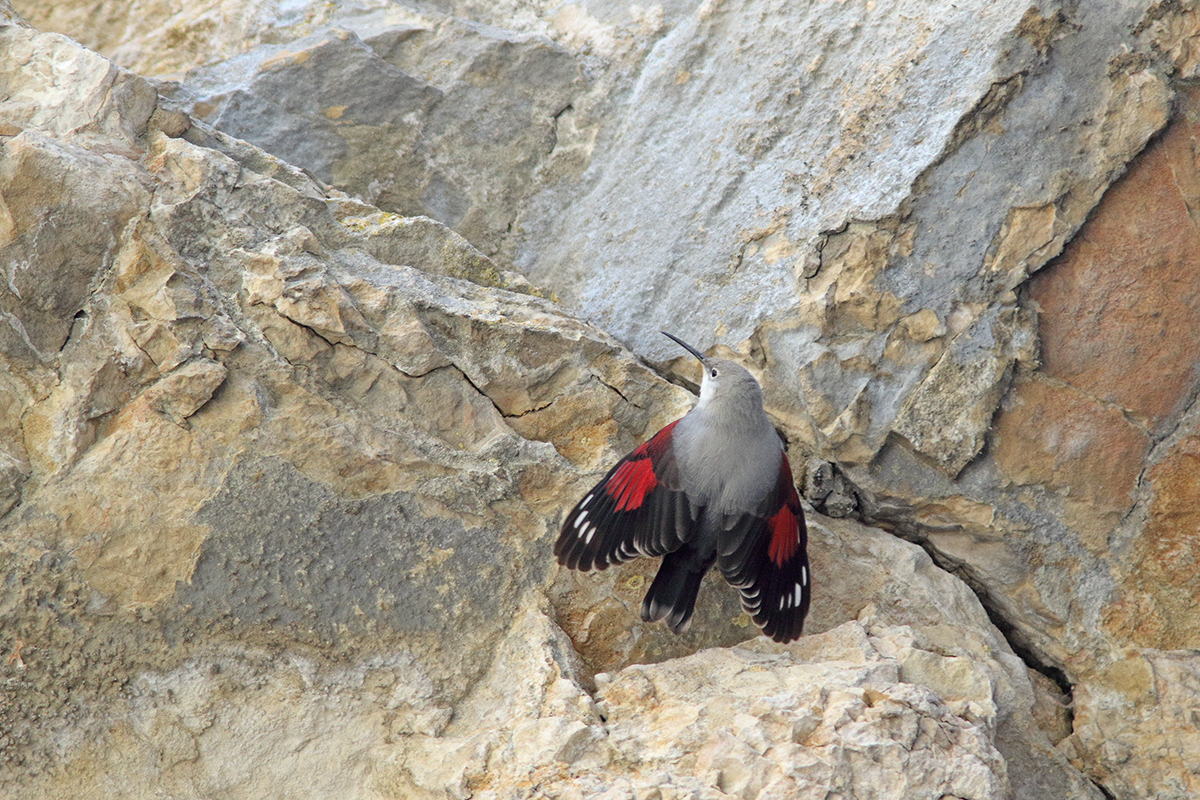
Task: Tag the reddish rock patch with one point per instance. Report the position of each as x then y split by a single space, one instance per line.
1159 593
1054 435
1121 306
1120 347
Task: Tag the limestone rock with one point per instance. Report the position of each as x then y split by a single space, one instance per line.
253 424
448 120
235 428
745 724
887 713
947 416
357 464
10 15
1136 720
182 393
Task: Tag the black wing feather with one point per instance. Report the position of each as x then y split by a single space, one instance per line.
637 509
765 555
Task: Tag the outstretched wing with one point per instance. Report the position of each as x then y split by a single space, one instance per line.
765 555
636 510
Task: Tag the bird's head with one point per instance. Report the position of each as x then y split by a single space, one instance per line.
723 381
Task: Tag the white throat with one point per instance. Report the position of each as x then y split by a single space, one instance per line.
708 388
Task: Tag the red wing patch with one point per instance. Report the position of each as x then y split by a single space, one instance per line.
631 483
765 556
785 537
636 509
635 478
782 527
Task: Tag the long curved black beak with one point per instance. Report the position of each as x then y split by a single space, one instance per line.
684 345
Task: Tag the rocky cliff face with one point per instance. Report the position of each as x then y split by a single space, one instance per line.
316 317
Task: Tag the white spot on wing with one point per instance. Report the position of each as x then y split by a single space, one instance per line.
587 500
804 575
588 530
579 520
796 598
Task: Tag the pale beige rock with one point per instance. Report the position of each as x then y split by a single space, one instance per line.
88 99
10 15
759 725
1136 725
947 417
835 710
180 394
240 411
929 625
133 35
230 415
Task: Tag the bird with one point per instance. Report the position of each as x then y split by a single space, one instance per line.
714 486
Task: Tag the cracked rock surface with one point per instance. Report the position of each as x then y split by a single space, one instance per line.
314 317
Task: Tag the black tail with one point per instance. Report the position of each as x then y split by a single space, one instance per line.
673 593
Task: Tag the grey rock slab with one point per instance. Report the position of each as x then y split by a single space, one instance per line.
291 99
802 183
449 121
288 553
68 182
750 119
947 415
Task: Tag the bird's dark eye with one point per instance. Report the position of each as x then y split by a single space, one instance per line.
713 374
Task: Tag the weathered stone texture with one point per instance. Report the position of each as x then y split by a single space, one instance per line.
449 120
1128 284
1052 435
1156 601
280 463
228 413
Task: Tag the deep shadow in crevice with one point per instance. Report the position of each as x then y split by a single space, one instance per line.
855 503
